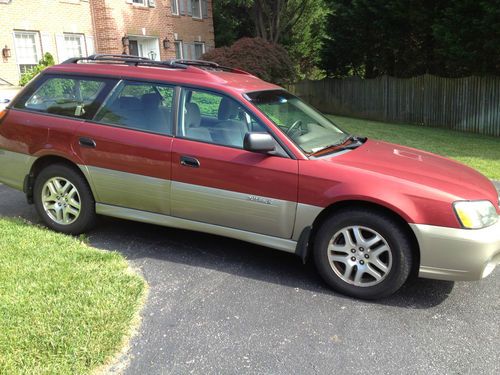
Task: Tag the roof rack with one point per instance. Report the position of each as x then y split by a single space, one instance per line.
144 61
209 65
125 59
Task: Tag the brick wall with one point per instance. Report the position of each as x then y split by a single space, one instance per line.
108 20
49 19
191 30
115 19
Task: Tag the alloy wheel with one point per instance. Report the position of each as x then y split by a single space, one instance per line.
360 256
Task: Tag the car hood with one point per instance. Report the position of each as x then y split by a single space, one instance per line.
419 167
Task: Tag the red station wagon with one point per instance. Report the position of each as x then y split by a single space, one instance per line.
193 145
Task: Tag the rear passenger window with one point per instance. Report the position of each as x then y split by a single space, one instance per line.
72 97
141 106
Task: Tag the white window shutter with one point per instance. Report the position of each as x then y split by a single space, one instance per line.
89 40
61 48
152 3
47 45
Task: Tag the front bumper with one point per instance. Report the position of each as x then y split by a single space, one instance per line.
457 254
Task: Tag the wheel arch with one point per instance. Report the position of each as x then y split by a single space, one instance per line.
306 241
43 162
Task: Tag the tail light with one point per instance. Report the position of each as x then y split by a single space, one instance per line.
2 115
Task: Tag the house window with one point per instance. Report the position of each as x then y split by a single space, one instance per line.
196 8
175 7
73 45
178 49
27 50
140 2
199 49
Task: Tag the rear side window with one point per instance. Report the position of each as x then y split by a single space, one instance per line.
141 106
78 97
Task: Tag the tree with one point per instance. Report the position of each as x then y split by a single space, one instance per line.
467 35
272 19
297 25
230 22
304 42
257 56
405 38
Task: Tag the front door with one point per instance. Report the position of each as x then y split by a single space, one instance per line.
133 48
216 181
127 147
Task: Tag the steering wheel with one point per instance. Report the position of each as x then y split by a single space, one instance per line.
295 125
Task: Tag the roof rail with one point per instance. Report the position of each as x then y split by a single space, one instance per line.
210 65
125 59
144 61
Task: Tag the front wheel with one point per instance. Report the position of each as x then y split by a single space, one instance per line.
362 253
63 199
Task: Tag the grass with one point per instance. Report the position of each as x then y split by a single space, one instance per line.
477 151
65 308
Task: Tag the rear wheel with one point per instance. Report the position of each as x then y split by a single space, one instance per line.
362 253
63 199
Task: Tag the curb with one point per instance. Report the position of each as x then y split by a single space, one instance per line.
497 185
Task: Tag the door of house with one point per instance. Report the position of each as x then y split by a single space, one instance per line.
133 48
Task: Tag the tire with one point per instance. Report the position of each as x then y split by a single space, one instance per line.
63 200
363 253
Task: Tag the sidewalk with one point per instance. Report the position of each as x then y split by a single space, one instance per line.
7 92
497 185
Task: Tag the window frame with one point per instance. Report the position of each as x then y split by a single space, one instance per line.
203 50
37 47
179 43
140 3
199 8
176 3
81 38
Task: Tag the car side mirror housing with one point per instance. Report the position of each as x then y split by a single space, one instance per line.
259 142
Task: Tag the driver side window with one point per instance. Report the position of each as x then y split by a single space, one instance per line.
214 118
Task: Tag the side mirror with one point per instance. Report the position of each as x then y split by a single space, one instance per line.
259 142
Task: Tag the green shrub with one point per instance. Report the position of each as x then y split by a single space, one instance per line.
27 76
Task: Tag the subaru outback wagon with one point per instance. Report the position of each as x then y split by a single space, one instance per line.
193 145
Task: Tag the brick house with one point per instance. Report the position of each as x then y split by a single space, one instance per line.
158 29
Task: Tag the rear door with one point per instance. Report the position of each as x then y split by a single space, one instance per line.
126 148
216 181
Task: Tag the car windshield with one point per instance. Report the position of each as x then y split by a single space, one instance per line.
308 128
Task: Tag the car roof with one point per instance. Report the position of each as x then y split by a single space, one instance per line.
233 81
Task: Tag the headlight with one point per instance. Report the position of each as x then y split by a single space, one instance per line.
476 214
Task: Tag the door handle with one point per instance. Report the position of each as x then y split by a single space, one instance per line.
188 161
87 142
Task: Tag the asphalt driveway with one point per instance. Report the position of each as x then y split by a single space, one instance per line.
222 306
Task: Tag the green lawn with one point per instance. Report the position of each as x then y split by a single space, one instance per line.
479 152
65 308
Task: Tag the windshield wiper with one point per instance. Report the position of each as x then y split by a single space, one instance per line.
344 145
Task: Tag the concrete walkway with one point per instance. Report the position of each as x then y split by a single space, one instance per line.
7 92
497 185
